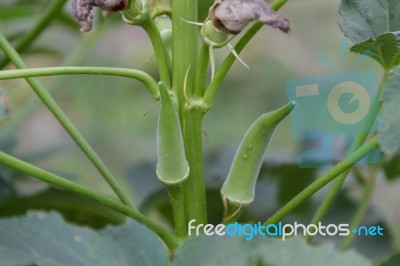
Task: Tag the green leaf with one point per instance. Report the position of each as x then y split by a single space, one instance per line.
45 239
391 167
365 19
389 122
384 49
261 251
392 261
387 199
213 250
295 251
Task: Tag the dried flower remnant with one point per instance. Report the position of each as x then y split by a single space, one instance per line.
234 15
82 10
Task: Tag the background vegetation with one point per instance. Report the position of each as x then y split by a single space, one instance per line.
118 118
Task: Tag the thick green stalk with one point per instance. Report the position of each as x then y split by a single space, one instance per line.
47 16
176 197
201 71
184 57
60 182
159 50
325 179
358 142
213 87
150 83
195 192
184 48
362 209
64 121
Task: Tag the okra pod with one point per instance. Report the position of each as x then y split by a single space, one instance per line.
238 190
172 166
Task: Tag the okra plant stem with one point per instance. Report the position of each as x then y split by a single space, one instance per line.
159 50
201 71
363 208
14 163
358 142
184 48
325 179
184 63
213 87
77 57
176 197
194 187
141 76
65 122
50 13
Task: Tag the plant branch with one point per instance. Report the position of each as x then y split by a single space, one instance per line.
362 209
60 182
145 78
358 142
215 84
184 64
64 121
159 50
194 186
47 16
325 179
178 208
184 49
201 71
76 57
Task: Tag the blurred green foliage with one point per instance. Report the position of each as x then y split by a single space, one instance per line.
110 112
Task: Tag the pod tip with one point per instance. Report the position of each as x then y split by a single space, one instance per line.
292 105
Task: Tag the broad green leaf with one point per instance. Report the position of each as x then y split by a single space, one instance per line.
46 239
391 167
229 251
387 198
392 261
365 19
389 122
384 49
203 250
295 251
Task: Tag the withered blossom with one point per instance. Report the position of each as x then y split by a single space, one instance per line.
82 10
234 15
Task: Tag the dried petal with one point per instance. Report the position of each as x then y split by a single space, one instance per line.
234 15
82 10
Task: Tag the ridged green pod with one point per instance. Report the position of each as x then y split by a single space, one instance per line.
172 166
238 190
